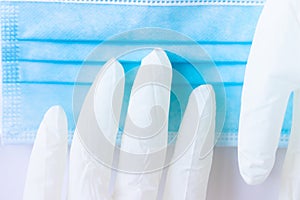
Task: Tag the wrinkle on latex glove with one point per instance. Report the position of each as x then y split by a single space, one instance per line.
45 175
290 180
92 149
272 73
188 176
141 152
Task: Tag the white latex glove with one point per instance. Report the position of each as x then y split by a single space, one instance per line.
272 73
91 158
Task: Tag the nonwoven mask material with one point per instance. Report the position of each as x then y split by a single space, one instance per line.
45 43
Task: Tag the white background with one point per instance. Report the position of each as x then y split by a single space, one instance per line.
225 181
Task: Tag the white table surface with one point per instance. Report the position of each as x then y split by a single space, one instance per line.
225 181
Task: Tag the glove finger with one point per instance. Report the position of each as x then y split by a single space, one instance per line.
93 144
45 175
261 119
188 176
144 141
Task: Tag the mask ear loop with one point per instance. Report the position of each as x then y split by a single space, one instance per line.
290 178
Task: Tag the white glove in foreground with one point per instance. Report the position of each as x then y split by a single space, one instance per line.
272 73
46 170
188 177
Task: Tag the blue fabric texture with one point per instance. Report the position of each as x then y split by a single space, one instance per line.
45 43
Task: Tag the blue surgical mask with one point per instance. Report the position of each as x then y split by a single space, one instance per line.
46 44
